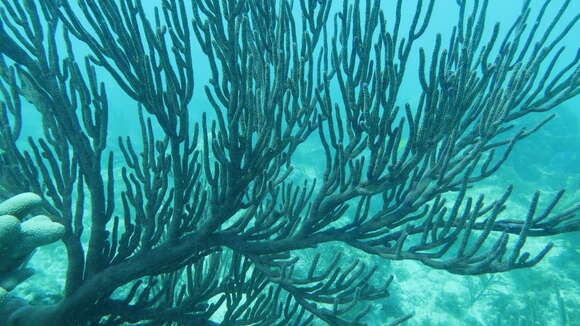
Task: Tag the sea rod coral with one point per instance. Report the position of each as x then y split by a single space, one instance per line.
201 219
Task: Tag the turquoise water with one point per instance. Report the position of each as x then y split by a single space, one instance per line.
548 161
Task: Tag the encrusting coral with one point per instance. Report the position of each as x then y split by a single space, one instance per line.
19 238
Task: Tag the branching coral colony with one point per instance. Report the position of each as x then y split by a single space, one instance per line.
197 230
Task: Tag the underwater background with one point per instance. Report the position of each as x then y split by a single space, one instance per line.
549 160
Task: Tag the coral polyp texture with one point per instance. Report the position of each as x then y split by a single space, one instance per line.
263 162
